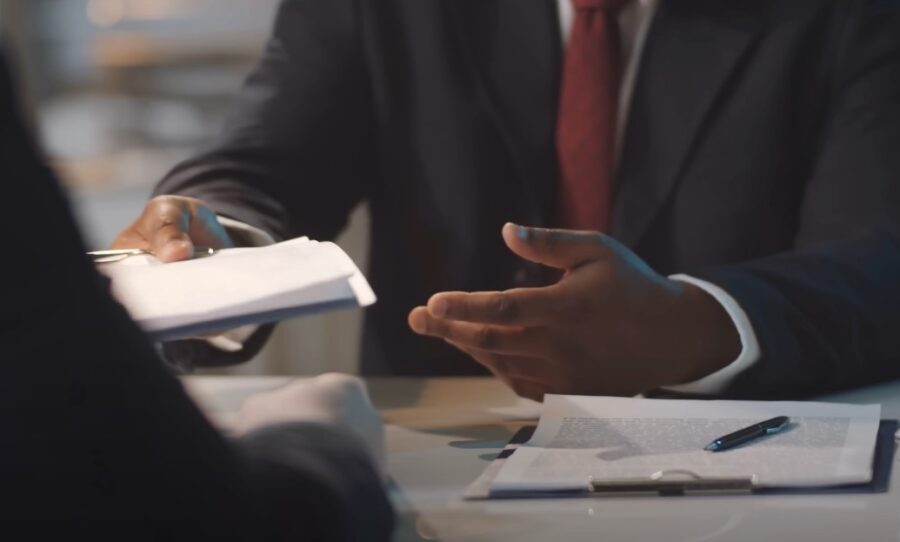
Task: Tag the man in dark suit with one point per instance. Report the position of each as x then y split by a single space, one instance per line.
98 437
748 145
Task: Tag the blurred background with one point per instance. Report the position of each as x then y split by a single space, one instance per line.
121 90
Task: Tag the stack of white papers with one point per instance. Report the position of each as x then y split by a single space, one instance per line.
584 439
237 287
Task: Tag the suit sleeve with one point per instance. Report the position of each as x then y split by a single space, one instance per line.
827 314
98 436
296 150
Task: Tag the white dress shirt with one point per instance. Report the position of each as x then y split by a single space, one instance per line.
634 24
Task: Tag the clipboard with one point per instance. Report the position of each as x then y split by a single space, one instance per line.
685 483
672 483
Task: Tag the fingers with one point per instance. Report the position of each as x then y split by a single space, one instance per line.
506 369
507 340
127 239
561 249
528 389
520 307
169 239
171 226
534 369
511 354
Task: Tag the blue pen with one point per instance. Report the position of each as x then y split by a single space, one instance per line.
741 436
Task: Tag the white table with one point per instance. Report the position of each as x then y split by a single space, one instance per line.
443 432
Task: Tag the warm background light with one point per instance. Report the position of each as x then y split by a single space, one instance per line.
106 13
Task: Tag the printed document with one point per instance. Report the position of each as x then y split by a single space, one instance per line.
237 287
611 438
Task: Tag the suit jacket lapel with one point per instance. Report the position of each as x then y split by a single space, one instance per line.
693 50
513 48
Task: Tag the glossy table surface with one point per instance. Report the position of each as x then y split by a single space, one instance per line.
443 432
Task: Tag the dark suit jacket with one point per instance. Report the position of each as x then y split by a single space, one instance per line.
762 153
99 439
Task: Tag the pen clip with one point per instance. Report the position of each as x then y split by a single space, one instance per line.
777 428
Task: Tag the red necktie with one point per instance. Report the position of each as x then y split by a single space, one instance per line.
586 127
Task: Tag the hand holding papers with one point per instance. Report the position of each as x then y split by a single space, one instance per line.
585 440
237 287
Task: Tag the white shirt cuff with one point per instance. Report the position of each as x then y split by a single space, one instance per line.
232 340
718 381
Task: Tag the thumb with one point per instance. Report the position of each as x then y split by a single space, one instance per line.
560 249
173 225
